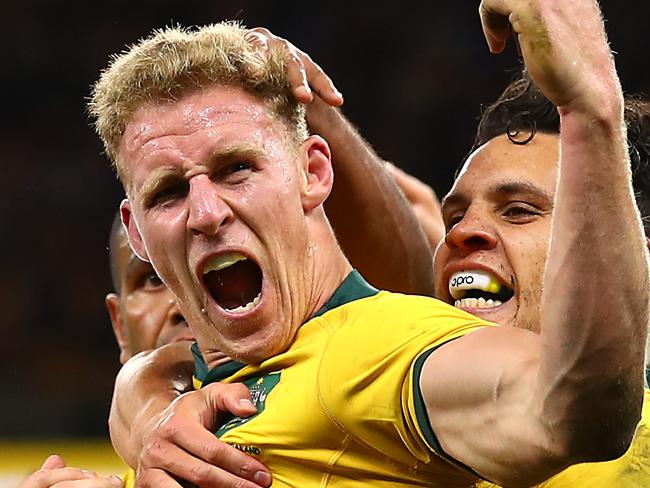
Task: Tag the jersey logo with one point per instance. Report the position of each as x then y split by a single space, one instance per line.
259 387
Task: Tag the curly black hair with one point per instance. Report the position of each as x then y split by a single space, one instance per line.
522 110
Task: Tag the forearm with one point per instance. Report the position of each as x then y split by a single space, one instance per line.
595 300
373 221
144 387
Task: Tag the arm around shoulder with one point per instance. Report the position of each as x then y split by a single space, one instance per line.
144 387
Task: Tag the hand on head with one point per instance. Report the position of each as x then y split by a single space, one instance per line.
304 74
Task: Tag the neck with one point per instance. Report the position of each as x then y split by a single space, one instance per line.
330 266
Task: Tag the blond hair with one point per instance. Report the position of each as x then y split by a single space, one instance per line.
174 60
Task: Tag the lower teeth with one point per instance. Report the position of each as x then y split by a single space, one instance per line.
248 307
477 303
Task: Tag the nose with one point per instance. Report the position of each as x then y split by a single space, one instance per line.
471 234
207 210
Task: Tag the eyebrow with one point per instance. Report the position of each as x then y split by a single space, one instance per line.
511 188
157 179
501 189
161 175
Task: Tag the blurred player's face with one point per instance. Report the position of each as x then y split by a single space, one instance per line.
220 200
498 216
144 315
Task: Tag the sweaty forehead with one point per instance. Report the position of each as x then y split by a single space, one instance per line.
198 110
209 117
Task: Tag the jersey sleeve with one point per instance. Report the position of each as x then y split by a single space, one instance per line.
369 368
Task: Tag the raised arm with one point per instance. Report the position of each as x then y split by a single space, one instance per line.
574 392
372 219
424 203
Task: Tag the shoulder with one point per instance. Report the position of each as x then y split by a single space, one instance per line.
377 339
388 317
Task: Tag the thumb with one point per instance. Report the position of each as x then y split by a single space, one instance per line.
53 462
234 398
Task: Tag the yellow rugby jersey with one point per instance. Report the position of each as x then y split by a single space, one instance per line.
632 470
342 407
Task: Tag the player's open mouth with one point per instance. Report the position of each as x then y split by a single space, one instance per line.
233 281
478 289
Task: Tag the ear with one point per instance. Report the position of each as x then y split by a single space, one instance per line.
316 168
132 231
119 329
647 243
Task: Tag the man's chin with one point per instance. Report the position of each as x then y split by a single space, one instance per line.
503 315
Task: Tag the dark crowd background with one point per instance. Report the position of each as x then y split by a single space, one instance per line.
414 75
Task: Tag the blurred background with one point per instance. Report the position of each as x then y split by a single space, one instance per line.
414 75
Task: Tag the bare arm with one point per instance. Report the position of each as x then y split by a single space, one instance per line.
162 429
424 203
373 221
144 387
574 392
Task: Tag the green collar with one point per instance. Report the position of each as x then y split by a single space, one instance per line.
353 287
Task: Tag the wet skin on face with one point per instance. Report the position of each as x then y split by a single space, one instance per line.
213 177
498 220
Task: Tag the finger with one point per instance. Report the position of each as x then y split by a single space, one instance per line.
257 39
53 462
297 76
44 478
263 40
235 398
303 74
191 448
495 24
181 464
100 482
319 81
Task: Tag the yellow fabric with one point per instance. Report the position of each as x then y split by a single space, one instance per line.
129 478
632 470
347 382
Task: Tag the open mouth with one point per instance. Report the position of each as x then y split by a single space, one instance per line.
234 282
478 289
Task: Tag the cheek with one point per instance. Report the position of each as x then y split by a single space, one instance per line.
144 317
529 260
164 237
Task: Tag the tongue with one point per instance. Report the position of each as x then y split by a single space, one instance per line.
235 285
